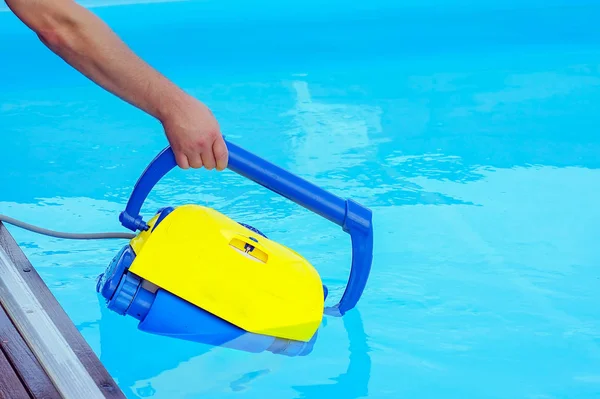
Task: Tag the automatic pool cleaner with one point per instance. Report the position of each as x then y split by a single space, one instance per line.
195 274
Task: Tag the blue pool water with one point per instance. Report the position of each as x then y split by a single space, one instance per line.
469 128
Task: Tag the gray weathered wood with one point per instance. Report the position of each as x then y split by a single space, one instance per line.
61 322
43 337
11 386
23 361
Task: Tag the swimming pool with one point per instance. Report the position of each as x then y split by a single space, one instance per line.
469 128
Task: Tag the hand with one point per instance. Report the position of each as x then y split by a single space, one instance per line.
194 135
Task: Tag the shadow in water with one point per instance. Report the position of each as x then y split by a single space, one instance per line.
132 355
241 383
354 383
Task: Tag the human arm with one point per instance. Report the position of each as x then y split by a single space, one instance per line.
88 44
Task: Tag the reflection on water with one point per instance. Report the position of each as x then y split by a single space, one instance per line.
329 137
354 382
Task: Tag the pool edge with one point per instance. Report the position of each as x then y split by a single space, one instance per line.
19 277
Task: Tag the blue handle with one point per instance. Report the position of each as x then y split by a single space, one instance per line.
351 216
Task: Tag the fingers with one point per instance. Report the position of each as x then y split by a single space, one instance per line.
210 155
221 154
209 159
201 155
195 159
182 160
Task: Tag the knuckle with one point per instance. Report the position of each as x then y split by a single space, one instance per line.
202 143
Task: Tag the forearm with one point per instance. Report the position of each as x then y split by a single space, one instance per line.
90 46
85 42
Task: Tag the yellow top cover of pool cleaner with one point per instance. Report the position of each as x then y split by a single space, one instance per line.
195 274
224 268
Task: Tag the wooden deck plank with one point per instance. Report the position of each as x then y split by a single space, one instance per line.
11 386
79 346
24 362
42 335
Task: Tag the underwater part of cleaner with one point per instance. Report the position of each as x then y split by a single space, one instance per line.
193 273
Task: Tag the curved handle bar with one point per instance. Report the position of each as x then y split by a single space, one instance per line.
354 219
